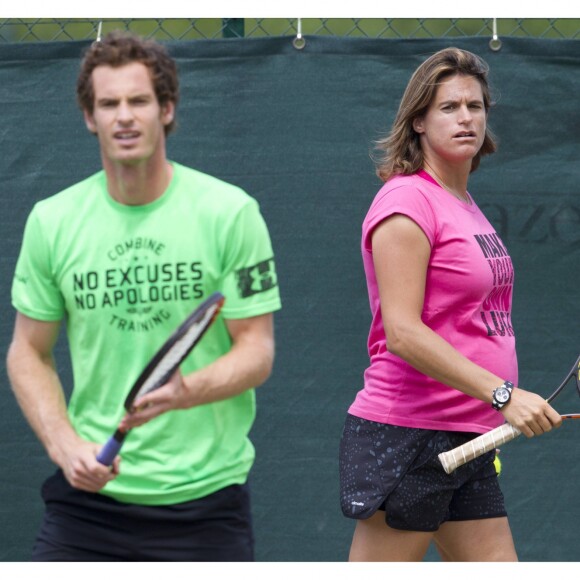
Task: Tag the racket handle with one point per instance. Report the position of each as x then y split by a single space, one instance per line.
110 450
457 457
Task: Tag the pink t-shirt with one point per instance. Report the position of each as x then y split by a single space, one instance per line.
468 298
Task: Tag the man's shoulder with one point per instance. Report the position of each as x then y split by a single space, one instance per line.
213 187
71 196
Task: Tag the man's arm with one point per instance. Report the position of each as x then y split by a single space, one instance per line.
247 365
39 393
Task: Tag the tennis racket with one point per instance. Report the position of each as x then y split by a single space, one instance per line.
454 458
164 364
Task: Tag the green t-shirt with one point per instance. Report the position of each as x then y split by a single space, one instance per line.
123 278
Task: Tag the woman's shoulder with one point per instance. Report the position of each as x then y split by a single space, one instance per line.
403 189
407 195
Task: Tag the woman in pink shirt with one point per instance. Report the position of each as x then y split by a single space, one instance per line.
441 344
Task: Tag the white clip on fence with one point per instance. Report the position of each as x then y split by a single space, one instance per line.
495 42
299 41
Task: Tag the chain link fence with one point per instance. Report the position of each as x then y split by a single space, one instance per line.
49 29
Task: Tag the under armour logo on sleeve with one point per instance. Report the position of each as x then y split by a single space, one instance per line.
257 278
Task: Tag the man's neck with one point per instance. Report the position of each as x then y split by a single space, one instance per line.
138 184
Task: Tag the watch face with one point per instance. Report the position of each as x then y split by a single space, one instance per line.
502 395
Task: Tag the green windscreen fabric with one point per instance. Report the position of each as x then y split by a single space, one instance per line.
295 128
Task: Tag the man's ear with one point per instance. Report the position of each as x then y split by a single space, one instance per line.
90 122
167 113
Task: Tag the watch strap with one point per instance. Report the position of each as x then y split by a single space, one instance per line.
497 405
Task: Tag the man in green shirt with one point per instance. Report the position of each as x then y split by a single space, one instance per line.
122 258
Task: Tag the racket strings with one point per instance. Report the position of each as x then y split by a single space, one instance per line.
177 352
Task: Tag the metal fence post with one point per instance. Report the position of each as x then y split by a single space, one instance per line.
233 28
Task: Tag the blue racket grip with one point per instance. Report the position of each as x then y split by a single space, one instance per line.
111 449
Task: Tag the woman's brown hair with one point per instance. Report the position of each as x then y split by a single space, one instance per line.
400 152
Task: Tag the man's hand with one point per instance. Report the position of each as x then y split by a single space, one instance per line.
173 395
81 468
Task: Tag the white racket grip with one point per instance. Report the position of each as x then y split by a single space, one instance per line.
457 457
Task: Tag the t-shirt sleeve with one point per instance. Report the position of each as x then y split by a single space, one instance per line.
407 200
34 289
250 283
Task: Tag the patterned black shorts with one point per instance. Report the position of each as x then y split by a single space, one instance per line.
396 469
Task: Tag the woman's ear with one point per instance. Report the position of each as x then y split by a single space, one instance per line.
418 125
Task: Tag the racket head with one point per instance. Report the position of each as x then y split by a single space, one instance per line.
574 373
175 349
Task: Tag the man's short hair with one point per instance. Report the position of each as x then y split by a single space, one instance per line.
120 48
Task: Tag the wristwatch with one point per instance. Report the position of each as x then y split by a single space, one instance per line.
502 395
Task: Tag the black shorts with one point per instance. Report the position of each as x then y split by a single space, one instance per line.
81 526
396 469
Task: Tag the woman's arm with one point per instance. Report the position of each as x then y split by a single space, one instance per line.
401 253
